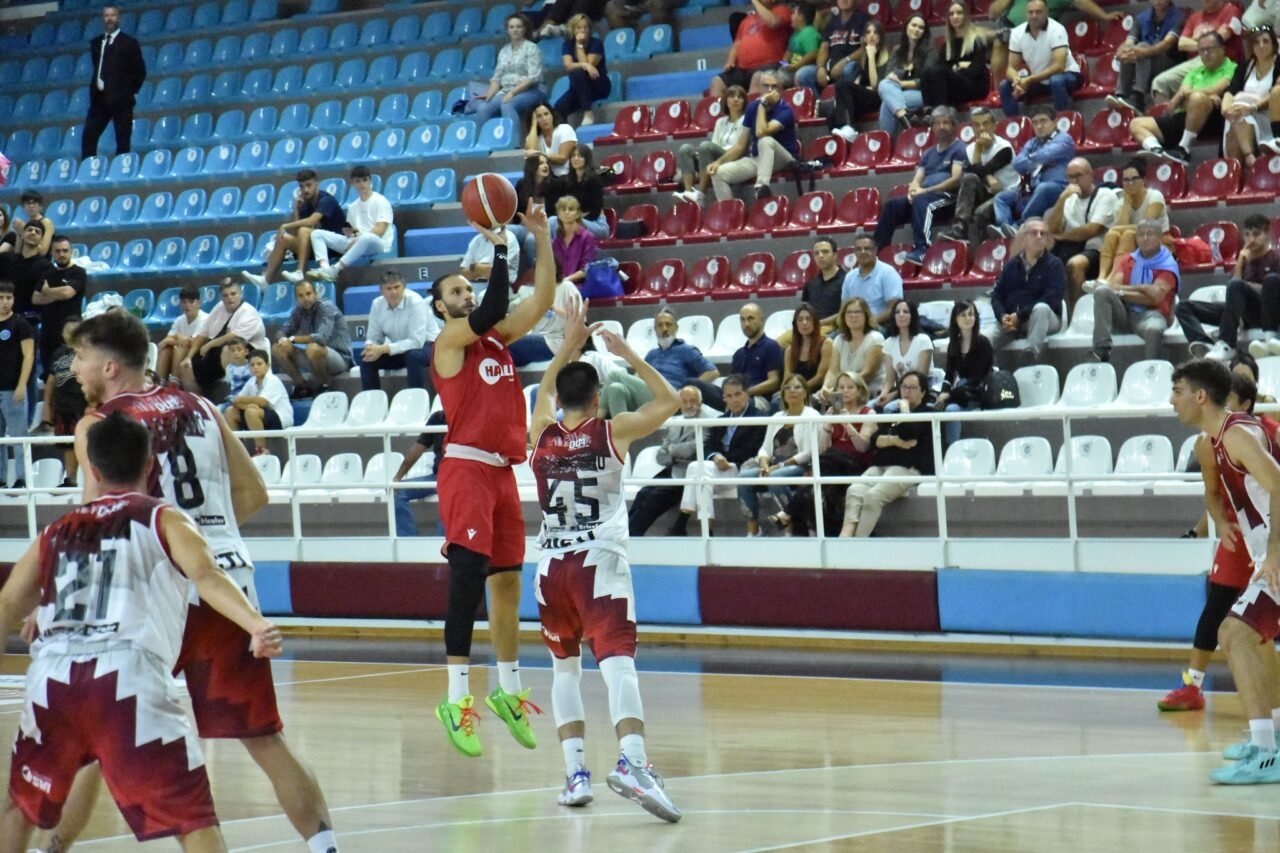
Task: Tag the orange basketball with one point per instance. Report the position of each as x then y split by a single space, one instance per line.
489 200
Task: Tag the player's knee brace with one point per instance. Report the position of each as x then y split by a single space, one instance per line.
566 691
624 688
466 591
1218 602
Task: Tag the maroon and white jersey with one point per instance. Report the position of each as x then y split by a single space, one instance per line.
579 477
106 582
484 405
1251 502
191 470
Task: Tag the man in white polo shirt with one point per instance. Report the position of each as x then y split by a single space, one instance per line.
1040 62
369 218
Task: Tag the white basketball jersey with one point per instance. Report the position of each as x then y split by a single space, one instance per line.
579 477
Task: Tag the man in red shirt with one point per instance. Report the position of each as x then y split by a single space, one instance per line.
1138 297
1217 16
759 44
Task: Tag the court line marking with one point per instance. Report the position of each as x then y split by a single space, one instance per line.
1169 810
429 668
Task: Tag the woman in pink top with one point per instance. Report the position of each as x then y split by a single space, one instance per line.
573 244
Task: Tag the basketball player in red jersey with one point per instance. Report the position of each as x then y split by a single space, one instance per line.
583 585
485 409
109 583
206 472
1247 457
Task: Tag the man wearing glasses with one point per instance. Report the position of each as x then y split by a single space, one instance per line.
1027 299
1078 222
769 143
1217 16
1194 110
872 279
1043 162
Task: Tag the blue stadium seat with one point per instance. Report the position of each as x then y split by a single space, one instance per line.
178 20
436 27
405 30
251 293
277 302
389 144
284 45
92 170
287 195
230 125
155 166
48 142
262 122
286 154
654 40
327 116
294 119
237 249
359 112
209 296
143 98
26 108
619 45
54 104
336 187
497 135
140 302
207 16
136 254
188 162
124 210
6 105
344 37
225 86
199 90
220 159
414 68
288 80
45 34
374 33
551 54
167 92
469 23
257 46
62 210
382 72
29 174
495 22
199 54
10 72
224 203
190 205
106 252
480 62
426 106
202 251
235 13
401 187
168 254
257 84
166 310
71 142
150 23
19 147
166 130
62 69
157 208
423 141
35 70
91 212
169 59
62 172
227 51
319 77
253 156
80 99
350 74
393 109
440 186
354 147
197 129
263 11
320 151
447 64
257 201
314 40
322 7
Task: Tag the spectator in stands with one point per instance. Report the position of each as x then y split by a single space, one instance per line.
786 452
64 402
872 280
859 348
841 36
677 450
232 317
175 347
808 353
1194 110
961 72
759 45
397 335
932 188
802 47
8 238
406 524
583 57
368 232
238 372
573 244
1252 300
59 296
17 361
1135 202
727 448
1008 14
27 268
1077 222
553 19
583 183
118 73
1217 16
970 359
262 403
908 349
1027 299
477 260
1040 62
759 360
1251 105
857 92
988 171
516 86
549 136
544 339
537 186
695 161
1138 297
314 335
903 449
900 89
768 143
1150 49
1043 162
679 363
627 13
824 292
314 208
33 211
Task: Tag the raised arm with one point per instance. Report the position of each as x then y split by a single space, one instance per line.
575 335
526 315
645 420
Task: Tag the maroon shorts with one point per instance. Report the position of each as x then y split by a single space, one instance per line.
1259 610
480 508
1232 568
232 692
586 595
160 786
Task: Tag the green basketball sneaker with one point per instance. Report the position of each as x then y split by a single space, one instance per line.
459 720
513 709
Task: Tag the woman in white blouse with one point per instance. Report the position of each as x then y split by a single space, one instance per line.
1247 104
693 160
859 348
516 85
549 135
910 349
786 452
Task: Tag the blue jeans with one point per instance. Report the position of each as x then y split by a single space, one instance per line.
13 424
529 349
406 524
414 361
583 92
515 109
1010 206
951 429
1059 86
751 499
920 212
808 76
893 99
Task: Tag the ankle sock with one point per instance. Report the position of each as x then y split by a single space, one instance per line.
575 754
459 683
509 676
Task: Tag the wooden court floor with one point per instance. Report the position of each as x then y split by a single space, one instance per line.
756 763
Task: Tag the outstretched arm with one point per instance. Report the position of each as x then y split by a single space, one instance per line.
526 315
575 335
633 425
21 591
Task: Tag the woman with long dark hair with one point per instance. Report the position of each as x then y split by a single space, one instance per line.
969 362
809 355
857 94
1249 105
900 89
907 350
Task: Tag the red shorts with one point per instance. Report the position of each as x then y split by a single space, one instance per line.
232 692
480 508
1232 568
1259 610
586 595
161 786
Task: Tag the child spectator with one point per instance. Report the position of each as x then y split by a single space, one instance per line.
802 47
64 402
175 347
238 371
262 404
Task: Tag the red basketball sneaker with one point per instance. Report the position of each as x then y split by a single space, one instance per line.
1186 698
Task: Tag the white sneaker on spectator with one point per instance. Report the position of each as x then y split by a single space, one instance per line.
293 277
588 117
1273 346
682 195
694 195
847 133
1261 348
254 278
1220 352
325 273
1092 285
1199 349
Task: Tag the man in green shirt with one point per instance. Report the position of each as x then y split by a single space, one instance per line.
802 47
1195 109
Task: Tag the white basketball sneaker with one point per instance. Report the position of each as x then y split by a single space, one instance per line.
577 788
643 785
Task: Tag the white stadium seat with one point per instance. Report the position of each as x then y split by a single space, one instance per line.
1037 385
1021 460
967 457
1090 457
269 467
1088 385
327 410
641 336
1146 383
696 330
369 408
729 339
1142 454
409 408
779 322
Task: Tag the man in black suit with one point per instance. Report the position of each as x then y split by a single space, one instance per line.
118 72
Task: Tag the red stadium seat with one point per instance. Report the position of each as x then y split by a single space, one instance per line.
881 11
827 148
631 123
803 104
1072 123
944 263
797 268
904 9
907 150
892 255
670 117
1017 130
1275 230
1114 34
623 168
611 217
710 274
1262 183
721 219
809 212
1107 130
767 215
644 213
630 273
1083 36
660 279
848 260
1107 175
705 116
656 169
1213 183
1103 76
870 151
755 271
987 264
859 208
1169 177
683 218
1227 236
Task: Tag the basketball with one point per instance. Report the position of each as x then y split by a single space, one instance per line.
489 200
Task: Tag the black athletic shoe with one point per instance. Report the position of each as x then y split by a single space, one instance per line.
1177 154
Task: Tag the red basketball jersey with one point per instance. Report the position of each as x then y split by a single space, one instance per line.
1246 496
484 405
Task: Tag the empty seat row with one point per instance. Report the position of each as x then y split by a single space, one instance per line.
180 19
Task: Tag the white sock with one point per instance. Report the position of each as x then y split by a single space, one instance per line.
323 842
509 676
633 748
1196 676
1150 143
575 754
1188 139
1263 733
459 683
